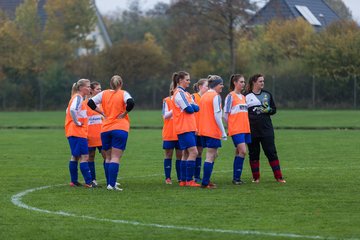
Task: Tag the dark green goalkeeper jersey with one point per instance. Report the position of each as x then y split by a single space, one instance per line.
260 107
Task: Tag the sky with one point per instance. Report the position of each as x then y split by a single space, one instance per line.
106 6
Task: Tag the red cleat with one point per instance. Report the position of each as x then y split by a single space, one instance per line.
182 183
192 183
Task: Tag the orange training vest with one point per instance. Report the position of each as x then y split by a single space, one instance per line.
183 121
238 120
113 105
207 123
168 131
71 129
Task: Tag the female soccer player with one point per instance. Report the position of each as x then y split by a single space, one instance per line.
200 87
260 107
76 124
94 131
170 139
116 104
185 127
237 119
211 127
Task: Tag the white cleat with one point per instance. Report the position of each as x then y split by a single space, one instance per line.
117 184
116 188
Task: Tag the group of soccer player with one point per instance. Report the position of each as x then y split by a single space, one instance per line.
193 122
97 119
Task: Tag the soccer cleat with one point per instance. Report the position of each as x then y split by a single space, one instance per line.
209 186
75 184
256 180
212 184
94 181
280 180
182 183
90 185
192 183
238 182
168 181
117 184
116 188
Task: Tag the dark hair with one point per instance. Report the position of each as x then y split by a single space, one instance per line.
94 84
171 89
177 76
198 84
252 79
234 78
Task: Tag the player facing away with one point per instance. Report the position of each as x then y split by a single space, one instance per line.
261 106
185 127
94 130
236 116
116 104
200 87
170 138
211 128
76 130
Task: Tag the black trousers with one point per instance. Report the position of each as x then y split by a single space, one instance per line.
268 145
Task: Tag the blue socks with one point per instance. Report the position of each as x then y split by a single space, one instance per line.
177 166
197 168
190 169
73 168
92 170
113 173
167 167
208 168
237 168
183 171
85 170
106 169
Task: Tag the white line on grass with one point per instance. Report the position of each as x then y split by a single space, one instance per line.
17 200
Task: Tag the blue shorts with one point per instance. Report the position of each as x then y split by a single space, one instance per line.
209 142
187 140
171 144
241 138
78 146
91 149
114 138
199 142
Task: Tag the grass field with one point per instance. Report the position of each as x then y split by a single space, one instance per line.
321 199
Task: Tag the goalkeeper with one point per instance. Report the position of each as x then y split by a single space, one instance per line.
261 106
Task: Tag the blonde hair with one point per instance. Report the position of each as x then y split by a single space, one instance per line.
76 86
116 82
199 83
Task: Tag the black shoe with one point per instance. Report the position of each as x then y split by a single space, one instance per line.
238 182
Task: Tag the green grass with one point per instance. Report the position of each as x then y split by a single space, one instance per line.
152 118
321 197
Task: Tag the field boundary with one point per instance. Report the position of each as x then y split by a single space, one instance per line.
160 127
17 201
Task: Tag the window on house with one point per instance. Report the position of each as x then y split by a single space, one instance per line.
308 15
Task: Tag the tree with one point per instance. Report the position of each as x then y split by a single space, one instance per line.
340 8
334 54
141 65
31 49
223 17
